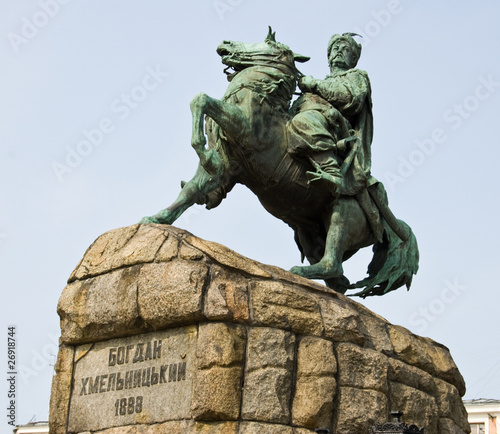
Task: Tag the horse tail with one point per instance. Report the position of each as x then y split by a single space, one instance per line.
393 265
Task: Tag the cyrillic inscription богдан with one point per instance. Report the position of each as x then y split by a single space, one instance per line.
118 382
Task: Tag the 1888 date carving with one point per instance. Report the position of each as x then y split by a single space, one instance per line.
130 405
147 377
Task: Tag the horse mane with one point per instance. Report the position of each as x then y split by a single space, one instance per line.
277 89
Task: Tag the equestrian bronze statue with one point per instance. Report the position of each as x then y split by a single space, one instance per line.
308 162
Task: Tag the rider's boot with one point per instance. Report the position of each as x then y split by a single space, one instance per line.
327 174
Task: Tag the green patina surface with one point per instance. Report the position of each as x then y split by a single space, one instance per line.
309 161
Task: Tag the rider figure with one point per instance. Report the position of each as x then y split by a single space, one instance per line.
333 127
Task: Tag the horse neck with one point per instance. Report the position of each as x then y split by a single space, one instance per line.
268 82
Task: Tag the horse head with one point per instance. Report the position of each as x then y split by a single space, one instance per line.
239 56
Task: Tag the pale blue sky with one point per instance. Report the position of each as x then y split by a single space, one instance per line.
66 66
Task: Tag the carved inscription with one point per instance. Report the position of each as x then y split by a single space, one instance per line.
140 379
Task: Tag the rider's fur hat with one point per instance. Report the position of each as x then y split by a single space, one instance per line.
348 37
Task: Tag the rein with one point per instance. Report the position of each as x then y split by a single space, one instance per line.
268 61
274 64
261 88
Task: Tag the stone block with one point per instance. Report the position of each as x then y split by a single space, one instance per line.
414 377
450 404
315 357
313 402
418 407
409 348
190 253
171 427
100 307
169 249
133 429
268 347
220 344
227 296
227 257
444 366
121 247
340 321
360 409
268 375
210 428
61 390
264 428
171 293
377 336
362 368
176 427
316 388
217 389
217 394
278 274
275 304
266 395
447 426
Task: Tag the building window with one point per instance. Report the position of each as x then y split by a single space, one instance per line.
477 428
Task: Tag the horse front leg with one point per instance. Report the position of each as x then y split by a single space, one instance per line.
193 191
167 216
228 116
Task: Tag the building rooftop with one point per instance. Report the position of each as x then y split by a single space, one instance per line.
32 428
481 401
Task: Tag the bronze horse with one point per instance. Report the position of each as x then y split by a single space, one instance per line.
247 144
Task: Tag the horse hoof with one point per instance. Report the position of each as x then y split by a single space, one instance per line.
321 270
339 284
297 270
146 220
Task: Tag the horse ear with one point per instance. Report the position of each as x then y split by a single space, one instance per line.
271 36
300 58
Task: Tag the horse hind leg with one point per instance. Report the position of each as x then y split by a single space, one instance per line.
347 232
329 267
341 284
